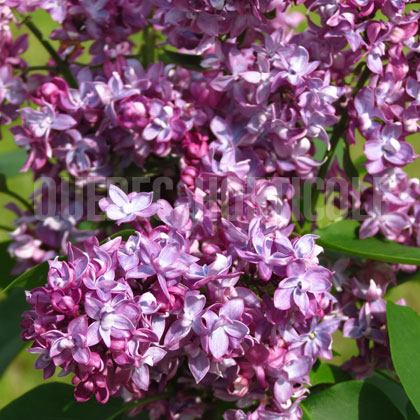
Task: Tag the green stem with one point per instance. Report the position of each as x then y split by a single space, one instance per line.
336 134
6 228
294 220
38 68
138 403
148 49
62 66
112 60
20 199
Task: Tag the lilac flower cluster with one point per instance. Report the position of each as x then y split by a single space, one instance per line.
126 317
193 25
215 291
132 114
108 22
386 113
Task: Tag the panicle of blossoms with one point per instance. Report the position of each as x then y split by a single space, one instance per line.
193 25
109 23
124 316
132 114
385 112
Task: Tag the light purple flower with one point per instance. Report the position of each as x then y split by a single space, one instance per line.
299 282
295 66
147 303
113 91
112 319
177 217
140 374
43 361
388 150
42 122
187 320
126 208
72 345
376 46
413 89
127 255
167 262
263 254
218 269
361 327
303 248
198 362
382 219
295 370
317 341
165 123
61 275
225 330
367 110
56 8
11 88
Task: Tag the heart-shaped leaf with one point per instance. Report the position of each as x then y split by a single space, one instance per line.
342 237
188 61
6 263
125 234
34 277
391 388
324 373
55 401
11 309
351 400
404 336
12 162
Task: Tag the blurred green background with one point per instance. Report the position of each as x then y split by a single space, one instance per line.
20 376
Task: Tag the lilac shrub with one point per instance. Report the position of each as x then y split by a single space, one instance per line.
220 290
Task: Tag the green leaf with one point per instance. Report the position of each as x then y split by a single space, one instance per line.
12 162
11 309
404 336
5 190
6 263
55 401
320 149
411 412
324 373
351 400
188 61
392 389
360 164
3 183
34 277
342 237
349 167
125 234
